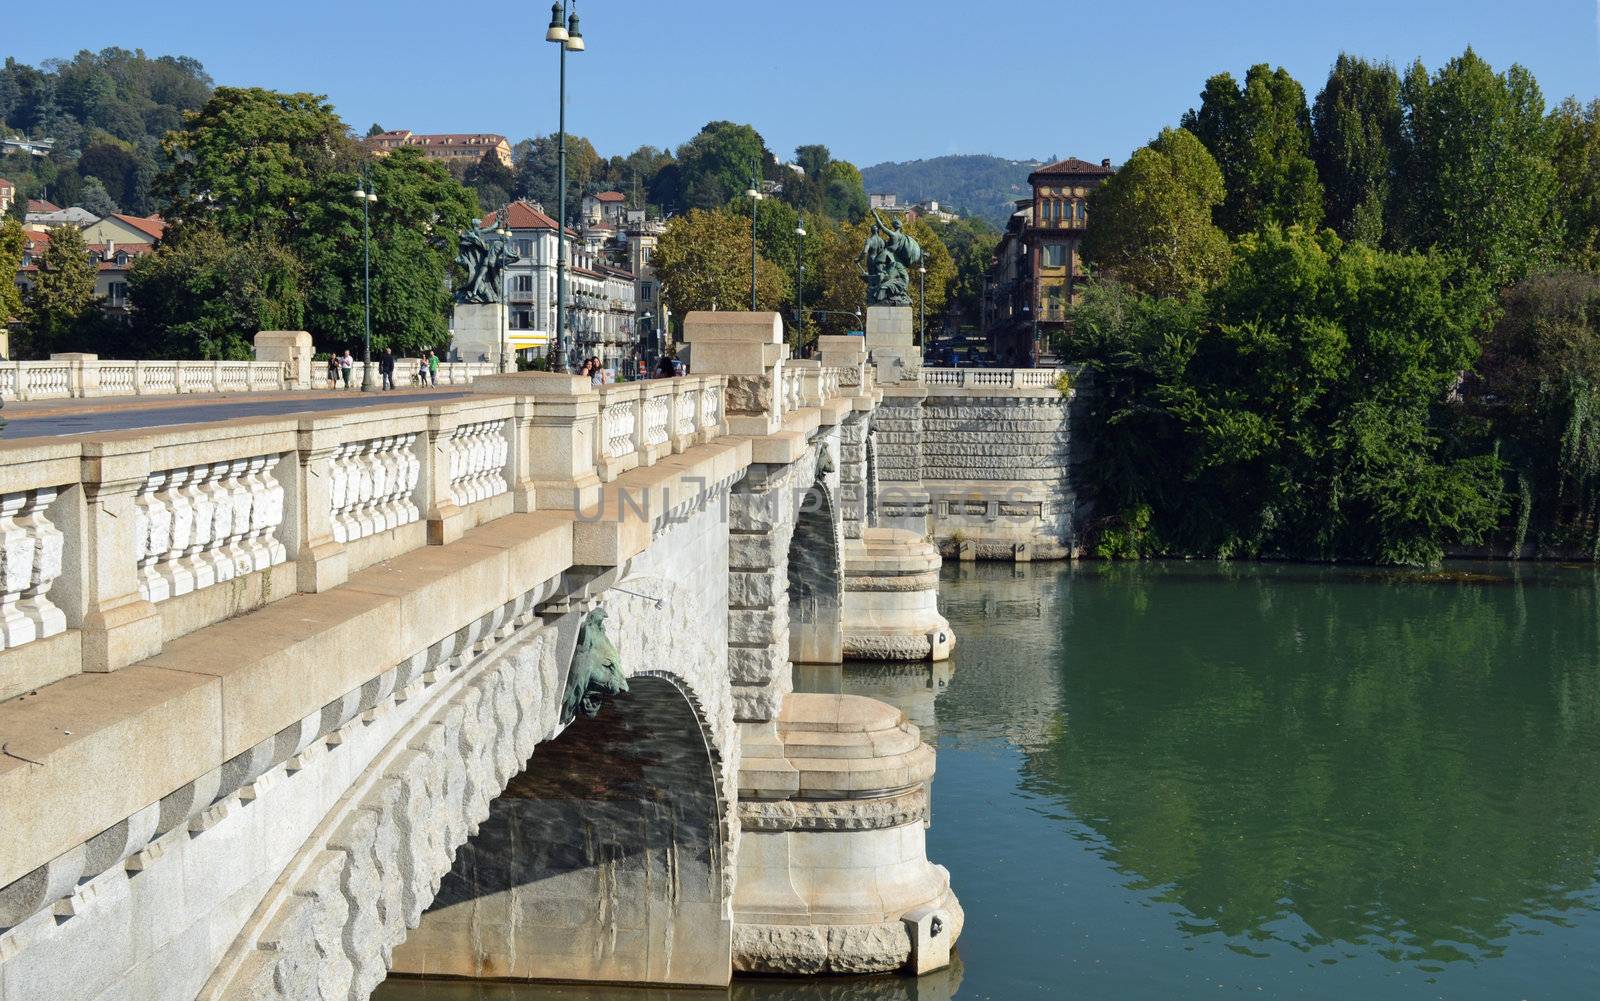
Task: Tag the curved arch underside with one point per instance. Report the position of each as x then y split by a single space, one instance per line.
603 860
816 582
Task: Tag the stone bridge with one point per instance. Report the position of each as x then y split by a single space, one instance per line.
289 703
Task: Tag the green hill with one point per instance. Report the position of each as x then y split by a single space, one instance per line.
983 186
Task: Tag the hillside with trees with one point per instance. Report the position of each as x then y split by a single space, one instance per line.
982 186
107 113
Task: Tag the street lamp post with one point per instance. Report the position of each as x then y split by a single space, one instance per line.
800 281
563 31
922 308
366 196
503 231
755 196
639 344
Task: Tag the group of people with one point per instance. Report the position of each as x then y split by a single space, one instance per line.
341 365
598 375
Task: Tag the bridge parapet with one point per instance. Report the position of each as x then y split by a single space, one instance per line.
112 545
992 378
89 376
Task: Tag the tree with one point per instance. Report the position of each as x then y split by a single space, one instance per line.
116 166
971 242
1260 135
538 172
1575 156
1539 385
375 130
836 293
718 163
12 240
703 262
1476 167
492 180
60 306
95 199
208 296
1150 222
1355 141
419 211
250 163
1290 412
845 196
634 175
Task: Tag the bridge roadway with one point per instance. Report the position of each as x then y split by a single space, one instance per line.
272 684
72 417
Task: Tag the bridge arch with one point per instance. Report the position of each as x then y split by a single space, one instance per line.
605 858
816 569
415 830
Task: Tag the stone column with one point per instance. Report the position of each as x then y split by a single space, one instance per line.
83 372
833 875
758 592
748 348
446 522
890 341
555 456
321 562
120 627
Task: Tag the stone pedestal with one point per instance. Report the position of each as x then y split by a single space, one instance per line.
891 343
480 328
891 598
290 348
833 873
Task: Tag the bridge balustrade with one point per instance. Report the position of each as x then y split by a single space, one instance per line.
1000 378
72 378
116 543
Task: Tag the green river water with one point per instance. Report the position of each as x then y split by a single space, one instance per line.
1270 781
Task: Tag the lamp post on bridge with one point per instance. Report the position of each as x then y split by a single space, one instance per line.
366 196
564 32
800 281
502 229
754 192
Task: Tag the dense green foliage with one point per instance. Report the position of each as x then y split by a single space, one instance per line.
1153 218
703 260
1475 167
1540 388
1289 412
60 305
973 185
1260 135
970 241
1329 399
262 180
1355 139
207 296
107 112
11 241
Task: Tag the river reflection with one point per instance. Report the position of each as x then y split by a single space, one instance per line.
1165 780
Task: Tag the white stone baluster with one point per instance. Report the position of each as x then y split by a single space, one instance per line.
688 412
49 545
266 515
153 537
16 571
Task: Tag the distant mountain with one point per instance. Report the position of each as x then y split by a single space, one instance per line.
984 186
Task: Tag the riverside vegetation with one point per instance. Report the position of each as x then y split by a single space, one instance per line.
1367 329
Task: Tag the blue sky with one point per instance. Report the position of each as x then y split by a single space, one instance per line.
873 79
